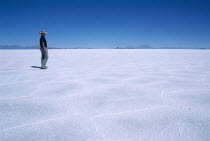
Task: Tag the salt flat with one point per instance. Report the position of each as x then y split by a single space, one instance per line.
105 95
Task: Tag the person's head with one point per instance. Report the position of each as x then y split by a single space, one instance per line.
43 33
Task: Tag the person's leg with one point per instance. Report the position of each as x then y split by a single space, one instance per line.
42 56
45 57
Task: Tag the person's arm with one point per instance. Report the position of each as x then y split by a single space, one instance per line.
43 46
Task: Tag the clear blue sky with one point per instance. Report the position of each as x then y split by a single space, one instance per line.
106 23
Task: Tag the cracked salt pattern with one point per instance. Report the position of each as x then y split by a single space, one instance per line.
105 95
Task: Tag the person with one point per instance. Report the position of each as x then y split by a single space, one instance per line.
43 49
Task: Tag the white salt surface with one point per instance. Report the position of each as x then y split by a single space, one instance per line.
105 95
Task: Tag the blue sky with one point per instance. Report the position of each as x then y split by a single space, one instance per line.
106 23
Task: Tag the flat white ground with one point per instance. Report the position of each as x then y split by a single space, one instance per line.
105 95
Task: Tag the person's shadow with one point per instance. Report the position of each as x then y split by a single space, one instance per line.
37 67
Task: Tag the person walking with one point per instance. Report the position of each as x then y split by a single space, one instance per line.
43 49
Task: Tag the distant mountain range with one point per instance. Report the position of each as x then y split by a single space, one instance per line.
150 47
22 47
135 47
126 47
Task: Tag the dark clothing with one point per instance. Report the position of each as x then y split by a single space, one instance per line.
42 39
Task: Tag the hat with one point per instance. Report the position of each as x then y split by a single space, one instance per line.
43 31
